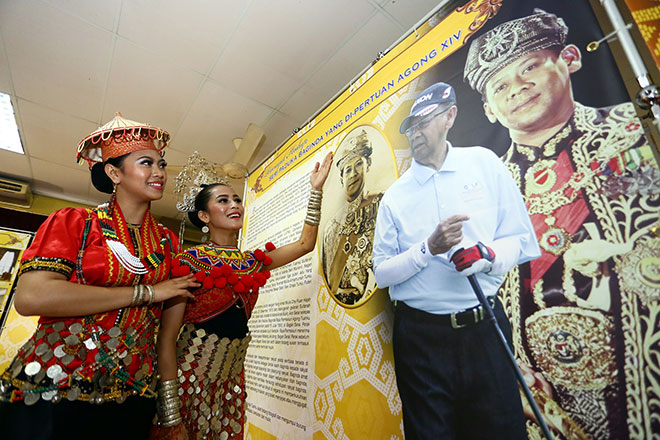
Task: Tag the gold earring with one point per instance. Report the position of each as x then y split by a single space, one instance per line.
113 196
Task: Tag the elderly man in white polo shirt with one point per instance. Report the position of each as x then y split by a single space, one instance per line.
455 212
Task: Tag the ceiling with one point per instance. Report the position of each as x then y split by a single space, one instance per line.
201 69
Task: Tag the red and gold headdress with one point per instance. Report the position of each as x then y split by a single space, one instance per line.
118 137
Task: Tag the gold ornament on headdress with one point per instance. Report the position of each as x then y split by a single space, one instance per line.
360 145
188 183
118 137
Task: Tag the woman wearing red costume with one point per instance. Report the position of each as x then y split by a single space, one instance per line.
96 277
210 351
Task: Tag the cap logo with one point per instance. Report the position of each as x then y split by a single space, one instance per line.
426 110
423 98
446 93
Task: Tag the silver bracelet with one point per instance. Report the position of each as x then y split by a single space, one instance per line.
313 217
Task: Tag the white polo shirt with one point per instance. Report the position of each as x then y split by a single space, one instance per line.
472 181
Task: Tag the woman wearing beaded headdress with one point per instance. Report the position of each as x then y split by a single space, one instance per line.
210 350
96 277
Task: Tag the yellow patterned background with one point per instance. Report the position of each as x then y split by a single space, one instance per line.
16 328
353 394
646 14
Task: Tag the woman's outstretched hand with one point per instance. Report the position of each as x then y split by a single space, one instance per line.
320 172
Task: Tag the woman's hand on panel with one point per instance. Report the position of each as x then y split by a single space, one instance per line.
321 171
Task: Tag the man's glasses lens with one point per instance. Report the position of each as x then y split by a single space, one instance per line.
421 125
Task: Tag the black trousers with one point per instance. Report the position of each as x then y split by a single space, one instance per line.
455 383
77 420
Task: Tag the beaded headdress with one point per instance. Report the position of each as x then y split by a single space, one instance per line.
197 173
118 137
509 41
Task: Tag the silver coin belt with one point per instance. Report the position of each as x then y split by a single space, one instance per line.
211 383
55 346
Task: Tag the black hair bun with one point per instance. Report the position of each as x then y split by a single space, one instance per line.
100 179
194 219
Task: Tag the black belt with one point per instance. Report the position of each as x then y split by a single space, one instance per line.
458 319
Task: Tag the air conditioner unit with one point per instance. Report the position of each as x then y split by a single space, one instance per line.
15 193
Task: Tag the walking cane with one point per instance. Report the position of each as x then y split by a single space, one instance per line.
491 317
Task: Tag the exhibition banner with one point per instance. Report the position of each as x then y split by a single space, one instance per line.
584 315
646 14
14 328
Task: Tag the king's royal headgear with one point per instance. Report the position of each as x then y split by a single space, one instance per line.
118 137
439 94
505 43
360 146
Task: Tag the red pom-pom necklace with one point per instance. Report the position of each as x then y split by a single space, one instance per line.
221 276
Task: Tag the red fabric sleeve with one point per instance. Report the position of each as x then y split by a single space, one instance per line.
56 244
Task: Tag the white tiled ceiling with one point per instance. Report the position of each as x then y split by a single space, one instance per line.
55 60
52 179
15 165
5 82
141 82
201 69
42 131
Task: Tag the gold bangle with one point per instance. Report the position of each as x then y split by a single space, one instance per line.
164 412
168 399
145 295
135 296
152 293
168 389
165 384
170 422
168 392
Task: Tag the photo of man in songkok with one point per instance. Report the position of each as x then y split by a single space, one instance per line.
348 236
585 313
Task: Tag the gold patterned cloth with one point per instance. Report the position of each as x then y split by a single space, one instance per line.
211 383
584 314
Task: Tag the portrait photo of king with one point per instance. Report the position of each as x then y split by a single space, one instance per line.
591 186
348 236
